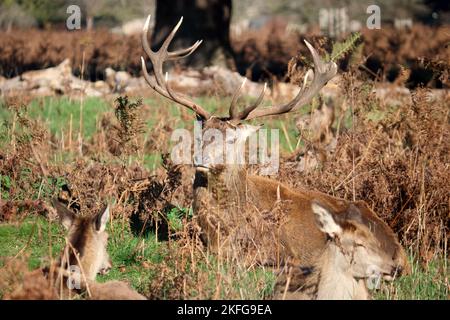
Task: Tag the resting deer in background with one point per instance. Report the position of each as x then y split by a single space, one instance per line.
86 250
352 257
222 192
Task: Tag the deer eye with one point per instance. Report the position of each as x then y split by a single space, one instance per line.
359 244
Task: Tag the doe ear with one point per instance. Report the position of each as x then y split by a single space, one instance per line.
102 219
65 215
325 220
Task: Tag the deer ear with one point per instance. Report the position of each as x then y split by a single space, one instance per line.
65 215
325 220
102 220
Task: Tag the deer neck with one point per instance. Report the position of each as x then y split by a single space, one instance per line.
226 182
235 177
335 282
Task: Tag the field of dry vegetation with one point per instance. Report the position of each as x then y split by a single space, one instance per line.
260 54
393 153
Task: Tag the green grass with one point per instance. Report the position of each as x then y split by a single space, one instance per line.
43 188
56 113
424 283
36 237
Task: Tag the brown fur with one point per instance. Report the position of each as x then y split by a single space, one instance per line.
114 290
46 285
87 244
87 239
341 271
231 193
300 233
20 284
299 237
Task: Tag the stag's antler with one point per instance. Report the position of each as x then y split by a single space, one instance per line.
158 58
323 72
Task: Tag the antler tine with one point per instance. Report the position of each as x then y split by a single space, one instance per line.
151 82
244 113
323 72
162 54
234 114
233 105
165 46
319 65
145 35
183 101
153 57
183 53
158 58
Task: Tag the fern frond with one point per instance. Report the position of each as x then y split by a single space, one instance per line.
342 49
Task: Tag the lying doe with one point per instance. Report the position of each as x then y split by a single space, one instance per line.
352 257
86 250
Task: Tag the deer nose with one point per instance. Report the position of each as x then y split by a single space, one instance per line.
106 267
105 270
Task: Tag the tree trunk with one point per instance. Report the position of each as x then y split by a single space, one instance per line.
207 20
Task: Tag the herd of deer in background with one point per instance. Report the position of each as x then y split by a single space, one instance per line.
320 247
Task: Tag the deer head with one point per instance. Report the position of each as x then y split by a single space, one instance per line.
313 82
363 255
88 239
